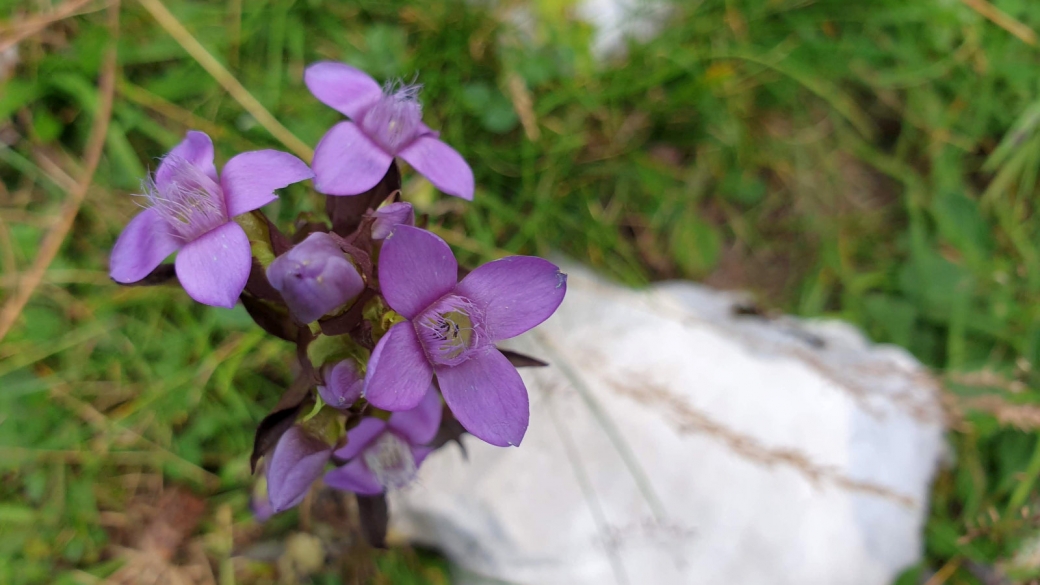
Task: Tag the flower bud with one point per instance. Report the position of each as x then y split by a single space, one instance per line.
315 277
297 460
388 216
343 384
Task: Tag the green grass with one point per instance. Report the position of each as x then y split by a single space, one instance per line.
875 161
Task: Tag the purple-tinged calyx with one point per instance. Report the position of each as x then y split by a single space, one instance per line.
387 217
190 210
298 459
343 384
386 455
354 156
451 328
315 277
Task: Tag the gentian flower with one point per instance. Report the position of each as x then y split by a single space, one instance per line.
343 384
384 122
190 209
389 216
298 459
451 330
385 455
315 277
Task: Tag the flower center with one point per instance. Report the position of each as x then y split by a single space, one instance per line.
449 330
395 120
390 459
190 202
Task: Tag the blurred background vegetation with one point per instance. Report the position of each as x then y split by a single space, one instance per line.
872 161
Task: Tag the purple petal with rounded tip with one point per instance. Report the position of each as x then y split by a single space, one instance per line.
214 268
420 424
342 87
346 162
516 293
398 373
360 437
297 460
487 397
389 216
441 164
145 242
343 384
416 268
196 149
249 179
354 477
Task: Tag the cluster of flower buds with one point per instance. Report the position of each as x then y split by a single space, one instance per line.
396 354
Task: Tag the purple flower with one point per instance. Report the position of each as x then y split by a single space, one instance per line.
343 384
385 122
298 459
315 277
451 330
389 216
190 209
384 455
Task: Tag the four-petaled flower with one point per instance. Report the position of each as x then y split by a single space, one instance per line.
190 209
384 122
451 329
385 455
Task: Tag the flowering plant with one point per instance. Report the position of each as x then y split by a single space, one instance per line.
396 354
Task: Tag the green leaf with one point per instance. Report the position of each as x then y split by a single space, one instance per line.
696 245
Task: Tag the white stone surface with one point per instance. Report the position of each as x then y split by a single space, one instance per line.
616 22
674 442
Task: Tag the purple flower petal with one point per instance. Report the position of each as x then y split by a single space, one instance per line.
488 397
441 164
360 437
343 384
297 460
420 424
354 477
398 373
249 179
197 150
346 162
416 268
214 268
389 216
145 242
342 87
516 293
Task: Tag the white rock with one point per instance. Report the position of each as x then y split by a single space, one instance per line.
674 442
618 21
